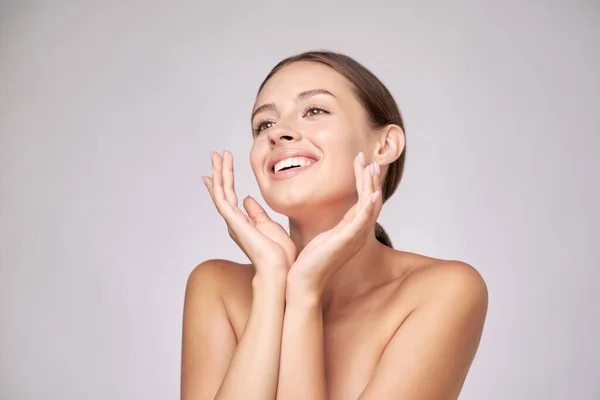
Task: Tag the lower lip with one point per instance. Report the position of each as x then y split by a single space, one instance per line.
288 173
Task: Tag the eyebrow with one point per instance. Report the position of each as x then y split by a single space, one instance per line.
301 96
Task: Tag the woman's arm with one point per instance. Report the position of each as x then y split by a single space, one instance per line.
213 367
428 357
253 371
302 369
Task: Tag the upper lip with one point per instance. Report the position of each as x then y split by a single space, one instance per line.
282 155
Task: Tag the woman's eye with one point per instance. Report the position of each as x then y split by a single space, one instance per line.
311 111
315 111
262 126
265 125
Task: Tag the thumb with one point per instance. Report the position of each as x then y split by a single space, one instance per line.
254 210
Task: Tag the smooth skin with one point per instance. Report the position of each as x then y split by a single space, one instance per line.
326 312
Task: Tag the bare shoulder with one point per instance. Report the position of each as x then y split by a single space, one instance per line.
228 281
437 315
209 337
427 279
222 276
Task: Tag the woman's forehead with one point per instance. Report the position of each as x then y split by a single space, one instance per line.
302 76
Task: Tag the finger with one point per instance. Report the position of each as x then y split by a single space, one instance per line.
360 221
228 179
367 185
349 214
358 170
218 194
346 219
370 177
255 210
217 161
233 216
377 187
208 182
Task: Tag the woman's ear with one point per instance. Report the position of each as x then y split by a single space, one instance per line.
390 144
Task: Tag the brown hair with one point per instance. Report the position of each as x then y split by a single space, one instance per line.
381 109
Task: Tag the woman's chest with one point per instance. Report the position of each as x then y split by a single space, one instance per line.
354 339
354 345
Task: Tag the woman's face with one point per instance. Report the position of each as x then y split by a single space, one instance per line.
307 114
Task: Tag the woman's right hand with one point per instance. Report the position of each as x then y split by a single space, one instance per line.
264 241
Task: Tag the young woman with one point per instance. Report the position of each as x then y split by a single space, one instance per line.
330 311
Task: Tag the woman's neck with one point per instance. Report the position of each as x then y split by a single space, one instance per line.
357 276
311 222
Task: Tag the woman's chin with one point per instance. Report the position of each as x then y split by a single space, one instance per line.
297 206
290 208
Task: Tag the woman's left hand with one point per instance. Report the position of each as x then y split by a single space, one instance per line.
327 252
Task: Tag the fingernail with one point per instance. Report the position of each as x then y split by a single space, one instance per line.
377 169
372 169
361 158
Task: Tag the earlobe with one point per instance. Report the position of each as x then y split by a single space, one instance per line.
391 144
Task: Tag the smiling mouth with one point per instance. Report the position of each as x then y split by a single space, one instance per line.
292 163
285 168
284 172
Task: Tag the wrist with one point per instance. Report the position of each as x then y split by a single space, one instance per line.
302 283
299 293
271 279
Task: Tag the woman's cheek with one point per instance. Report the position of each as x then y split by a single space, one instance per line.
255 161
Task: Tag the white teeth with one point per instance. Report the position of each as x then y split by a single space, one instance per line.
292 162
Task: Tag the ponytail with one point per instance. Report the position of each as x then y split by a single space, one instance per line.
382 236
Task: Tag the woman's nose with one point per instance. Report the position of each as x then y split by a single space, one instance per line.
282 134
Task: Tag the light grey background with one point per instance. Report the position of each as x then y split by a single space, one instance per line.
108 112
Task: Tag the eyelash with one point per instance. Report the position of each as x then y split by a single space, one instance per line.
262 122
